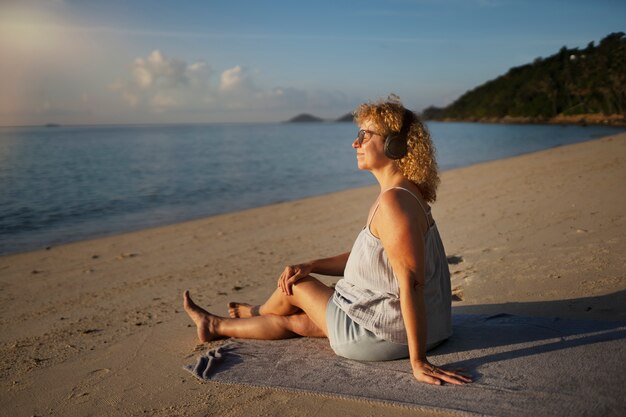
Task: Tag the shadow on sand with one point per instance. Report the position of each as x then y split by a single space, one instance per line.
512 330
603 307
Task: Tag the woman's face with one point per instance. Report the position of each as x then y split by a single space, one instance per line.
370 153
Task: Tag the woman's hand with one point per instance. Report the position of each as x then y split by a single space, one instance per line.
431 374
291 274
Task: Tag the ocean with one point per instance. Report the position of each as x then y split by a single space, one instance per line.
63 184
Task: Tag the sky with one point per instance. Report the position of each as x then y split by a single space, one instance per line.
137 62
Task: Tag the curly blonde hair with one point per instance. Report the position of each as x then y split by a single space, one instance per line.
419 164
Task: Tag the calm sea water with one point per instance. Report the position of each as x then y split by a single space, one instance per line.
70 183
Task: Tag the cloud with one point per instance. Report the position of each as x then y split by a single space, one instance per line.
158 83
236 79
157 70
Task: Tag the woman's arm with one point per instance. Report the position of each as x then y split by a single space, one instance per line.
402 235
333 266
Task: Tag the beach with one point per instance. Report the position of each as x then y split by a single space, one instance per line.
97 327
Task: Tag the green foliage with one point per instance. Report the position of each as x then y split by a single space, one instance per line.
571 82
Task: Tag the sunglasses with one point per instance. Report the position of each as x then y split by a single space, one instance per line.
360 137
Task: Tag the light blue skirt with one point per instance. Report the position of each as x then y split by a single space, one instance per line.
350 340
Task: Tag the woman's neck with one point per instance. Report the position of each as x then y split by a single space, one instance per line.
389 177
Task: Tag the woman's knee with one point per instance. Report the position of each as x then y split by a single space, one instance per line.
310 286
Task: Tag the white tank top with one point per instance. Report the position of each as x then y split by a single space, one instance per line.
370 295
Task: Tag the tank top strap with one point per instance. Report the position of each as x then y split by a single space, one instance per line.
418 201
369 220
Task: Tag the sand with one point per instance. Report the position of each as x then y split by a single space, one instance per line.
97 327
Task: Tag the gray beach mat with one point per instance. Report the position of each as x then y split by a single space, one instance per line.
521 366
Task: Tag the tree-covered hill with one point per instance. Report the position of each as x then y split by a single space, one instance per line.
587 85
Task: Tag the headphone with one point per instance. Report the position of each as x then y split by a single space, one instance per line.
395 143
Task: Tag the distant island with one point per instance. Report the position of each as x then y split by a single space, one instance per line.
585 86
348 117
52 125
305 118
309 118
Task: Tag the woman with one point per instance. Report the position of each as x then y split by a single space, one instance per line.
394 300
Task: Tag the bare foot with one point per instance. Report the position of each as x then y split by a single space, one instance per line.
242 310
206 322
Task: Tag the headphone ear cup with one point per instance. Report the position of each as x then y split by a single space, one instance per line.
395 146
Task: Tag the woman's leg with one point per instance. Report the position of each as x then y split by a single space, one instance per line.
282 316
278 303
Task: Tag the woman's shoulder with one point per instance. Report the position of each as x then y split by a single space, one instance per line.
399 197
402 205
